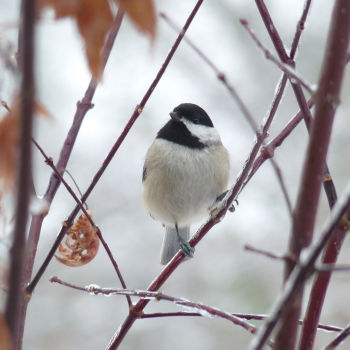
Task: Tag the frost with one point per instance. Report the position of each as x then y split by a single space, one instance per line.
39 205
91 288
187 307
193 307
205 313
314 87
286 48
304 255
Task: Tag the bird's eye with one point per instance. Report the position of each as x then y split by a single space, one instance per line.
195 121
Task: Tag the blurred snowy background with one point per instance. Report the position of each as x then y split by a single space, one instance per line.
221 274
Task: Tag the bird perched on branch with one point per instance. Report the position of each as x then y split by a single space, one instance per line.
186 170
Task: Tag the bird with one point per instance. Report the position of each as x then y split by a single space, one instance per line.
186 172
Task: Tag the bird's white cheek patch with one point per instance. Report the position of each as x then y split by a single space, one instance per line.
205 134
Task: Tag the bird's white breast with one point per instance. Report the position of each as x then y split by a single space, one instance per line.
182 183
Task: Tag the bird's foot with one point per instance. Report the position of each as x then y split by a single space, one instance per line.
219 202
186 249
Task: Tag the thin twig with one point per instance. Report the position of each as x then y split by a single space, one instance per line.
322 268
282 184
268 254
17 252
203 309
319 289
278 96
285 68
300 28
255 317
5 105
200 309
49 162
339 339
268 150
75 184
332 268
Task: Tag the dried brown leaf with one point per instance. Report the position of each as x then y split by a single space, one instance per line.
5 339
9 140
42 110
80 245
94 19
142 13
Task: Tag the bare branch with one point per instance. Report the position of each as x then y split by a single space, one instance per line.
339 339
203 309
256 317
282 184
270 255
277 141
285 68
322 268
27 91
319 289
300 28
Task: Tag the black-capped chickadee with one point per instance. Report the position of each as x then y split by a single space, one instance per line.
185 171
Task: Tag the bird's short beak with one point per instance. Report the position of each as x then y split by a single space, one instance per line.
175 116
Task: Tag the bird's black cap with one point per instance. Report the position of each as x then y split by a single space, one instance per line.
193 113
176 131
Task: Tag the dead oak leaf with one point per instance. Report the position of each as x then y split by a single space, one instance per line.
80 245
142 13
9 139
94 19
5 339
41 110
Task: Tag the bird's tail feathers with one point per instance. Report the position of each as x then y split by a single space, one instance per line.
171 243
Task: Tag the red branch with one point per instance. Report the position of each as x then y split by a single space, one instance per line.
202 309
268 150
17 253
339 339
326 102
